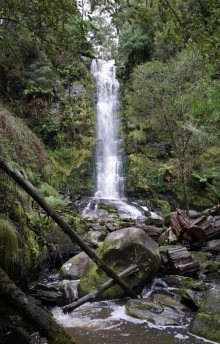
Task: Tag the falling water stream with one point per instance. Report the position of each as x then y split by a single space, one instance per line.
110 183
107 322
109 167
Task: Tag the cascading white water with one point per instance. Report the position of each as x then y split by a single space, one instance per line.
110 183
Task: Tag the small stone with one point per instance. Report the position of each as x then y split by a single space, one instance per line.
109 227
193 214
154 219
167 237
210 219
217 224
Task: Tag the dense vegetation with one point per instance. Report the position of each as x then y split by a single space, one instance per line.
167 53
168 64
47 127
169 60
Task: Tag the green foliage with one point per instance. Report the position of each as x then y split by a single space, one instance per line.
74 70
135 47
16 140
165 168
30 252
196 23
39 78
164 206
47 190
154 179
205 176
210 179
172 103
57 202
9 242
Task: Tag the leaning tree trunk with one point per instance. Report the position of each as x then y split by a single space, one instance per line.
27 307
91 296
28 187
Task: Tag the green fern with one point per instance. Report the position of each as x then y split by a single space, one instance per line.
57 202
47 190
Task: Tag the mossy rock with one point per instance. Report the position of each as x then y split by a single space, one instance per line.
74 267
154 312
202 257
167 218
206 323
108 206
120 250
186 283
164 206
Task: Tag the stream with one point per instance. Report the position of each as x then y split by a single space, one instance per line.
106 322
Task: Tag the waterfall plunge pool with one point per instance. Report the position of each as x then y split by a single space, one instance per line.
106 322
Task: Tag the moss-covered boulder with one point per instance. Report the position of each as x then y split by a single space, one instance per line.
120 250
206 323
154 312
186 283
193 299
74 267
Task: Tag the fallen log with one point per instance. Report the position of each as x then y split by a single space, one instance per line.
132 269
181 262
176 227
27 307
190 234
28 187
215 250
209 229
183 219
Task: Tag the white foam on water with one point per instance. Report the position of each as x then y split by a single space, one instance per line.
181 336
127 210
118 312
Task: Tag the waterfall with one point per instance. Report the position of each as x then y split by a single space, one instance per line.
110 184
110 181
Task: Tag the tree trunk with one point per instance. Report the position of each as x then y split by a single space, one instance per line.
132 269
28 187
27 307
188 233
181 262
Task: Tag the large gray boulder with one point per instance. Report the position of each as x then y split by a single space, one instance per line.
120 250
206 323
157 313
74 267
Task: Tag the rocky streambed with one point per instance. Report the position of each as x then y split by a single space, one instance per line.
178 283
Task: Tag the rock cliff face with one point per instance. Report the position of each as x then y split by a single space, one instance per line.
119 250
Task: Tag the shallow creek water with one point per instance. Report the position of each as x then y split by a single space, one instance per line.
106 322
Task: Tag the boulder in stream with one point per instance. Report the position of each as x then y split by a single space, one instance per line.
74 267
206 323
120 250
154 312
182 282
